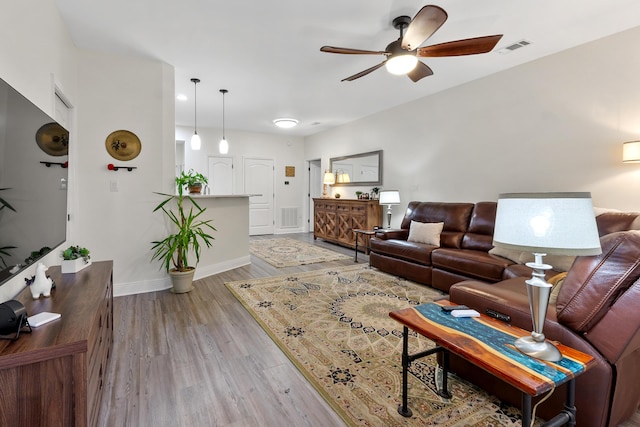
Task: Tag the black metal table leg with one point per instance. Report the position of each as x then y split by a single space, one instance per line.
356 254
526 410
404 408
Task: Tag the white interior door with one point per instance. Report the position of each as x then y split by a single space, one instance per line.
220 175
315 187
258 179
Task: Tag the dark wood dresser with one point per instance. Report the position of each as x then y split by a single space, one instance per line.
54 376
335 219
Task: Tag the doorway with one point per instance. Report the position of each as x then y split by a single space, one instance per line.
315 187
258 179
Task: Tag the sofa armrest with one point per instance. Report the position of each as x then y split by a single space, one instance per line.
388 234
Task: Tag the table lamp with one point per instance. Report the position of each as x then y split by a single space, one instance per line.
328 179
544 223
389 198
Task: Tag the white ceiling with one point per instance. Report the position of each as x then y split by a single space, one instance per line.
267 52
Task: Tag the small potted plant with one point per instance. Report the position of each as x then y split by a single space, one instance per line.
359 194
192 180
74 259
375 192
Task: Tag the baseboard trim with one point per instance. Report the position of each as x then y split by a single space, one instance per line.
132 288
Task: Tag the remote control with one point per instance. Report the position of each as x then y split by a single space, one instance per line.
454 307
498 315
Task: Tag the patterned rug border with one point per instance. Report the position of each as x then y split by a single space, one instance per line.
318 387
331 255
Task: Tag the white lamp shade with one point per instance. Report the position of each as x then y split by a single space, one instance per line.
223 147
195 142
343 178
329 178
550 223
391 197
401 64
631 152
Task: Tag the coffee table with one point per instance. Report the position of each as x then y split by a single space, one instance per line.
488 344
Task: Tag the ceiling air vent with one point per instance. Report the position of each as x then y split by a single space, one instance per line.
515 46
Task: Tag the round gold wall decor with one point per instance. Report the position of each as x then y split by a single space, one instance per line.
53 139
123 145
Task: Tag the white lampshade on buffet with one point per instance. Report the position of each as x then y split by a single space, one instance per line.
328 179
389 198
545 223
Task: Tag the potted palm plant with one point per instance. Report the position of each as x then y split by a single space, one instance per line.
190 232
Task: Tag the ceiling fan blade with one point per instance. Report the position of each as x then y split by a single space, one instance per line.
461 47
346 50
363 73
420 71
424 24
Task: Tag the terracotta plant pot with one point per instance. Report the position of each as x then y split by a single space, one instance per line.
195 189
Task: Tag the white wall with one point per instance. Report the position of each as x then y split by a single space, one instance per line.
285 150
556 124
115 218
37 55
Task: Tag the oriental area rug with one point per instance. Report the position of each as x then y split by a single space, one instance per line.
285 252
334 325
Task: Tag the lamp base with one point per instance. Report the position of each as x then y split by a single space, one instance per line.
543 350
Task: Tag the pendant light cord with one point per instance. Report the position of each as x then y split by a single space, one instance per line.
195 105
223 91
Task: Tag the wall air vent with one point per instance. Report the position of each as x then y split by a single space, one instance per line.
515 46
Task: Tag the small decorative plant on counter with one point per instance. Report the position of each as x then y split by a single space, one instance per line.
188 234
192 180
74 259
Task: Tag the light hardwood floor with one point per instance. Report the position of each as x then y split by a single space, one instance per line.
200 359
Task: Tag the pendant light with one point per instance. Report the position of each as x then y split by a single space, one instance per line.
224 145
195 139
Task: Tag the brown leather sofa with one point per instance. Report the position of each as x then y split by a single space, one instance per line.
465 242
597 312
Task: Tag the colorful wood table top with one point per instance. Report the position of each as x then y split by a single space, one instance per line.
488 343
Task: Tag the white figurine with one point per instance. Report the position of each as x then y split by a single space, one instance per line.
42 284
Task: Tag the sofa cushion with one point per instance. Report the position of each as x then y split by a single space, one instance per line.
475 264
425 232
479 235
455 216
595 282
410 251
611 222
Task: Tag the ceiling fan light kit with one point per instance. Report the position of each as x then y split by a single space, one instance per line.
402 54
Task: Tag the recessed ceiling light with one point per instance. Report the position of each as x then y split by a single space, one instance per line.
285 123
181 97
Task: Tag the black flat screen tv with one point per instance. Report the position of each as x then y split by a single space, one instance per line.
33 183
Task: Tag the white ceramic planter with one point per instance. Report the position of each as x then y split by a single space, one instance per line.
74 265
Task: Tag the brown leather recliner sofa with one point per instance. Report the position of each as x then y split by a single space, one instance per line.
597 312
597 309
465 242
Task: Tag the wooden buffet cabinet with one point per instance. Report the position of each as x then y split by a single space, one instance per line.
335 219
54 376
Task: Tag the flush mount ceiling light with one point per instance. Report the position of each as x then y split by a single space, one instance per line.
195 139
285 123
224 145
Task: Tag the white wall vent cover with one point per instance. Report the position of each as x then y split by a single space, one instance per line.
515 46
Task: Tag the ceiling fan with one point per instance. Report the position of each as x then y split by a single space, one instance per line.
402 54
